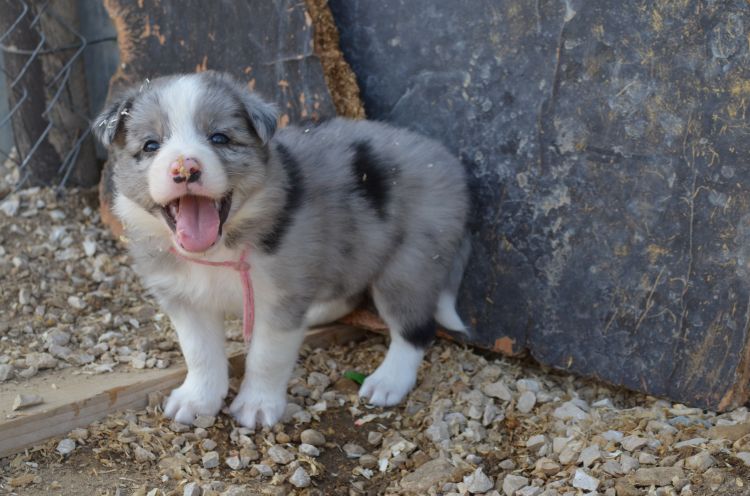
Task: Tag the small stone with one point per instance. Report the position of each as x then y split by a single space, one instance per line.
300 478
696 441
178 427
204 422
536 442
498 390
5 372
657 476
426 476
559 443
582 480
41 361
632 443
368 461
76 302
437 432
143 455
525 491
589 456
700 462
730 432
374 438
10 206
208 444
569 411
28 373
234 462
744 456
283 438
526 402
612 468
513 483
546 466
530 385
210 460
309 450
646 458
79 434
629 464
192 489
353 450
26 401
139 360
57 336
89 247
66 446
263 469
623 488
280 455
311 436
507 464
478 482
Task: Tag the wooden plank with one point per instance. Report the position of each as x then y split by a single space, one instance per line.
75 400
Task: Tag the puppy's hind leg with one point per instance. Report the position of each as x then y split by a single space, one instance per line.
411 332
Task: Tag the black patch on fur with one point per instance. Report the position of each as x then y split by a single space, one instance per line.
422 335
271 241
371 177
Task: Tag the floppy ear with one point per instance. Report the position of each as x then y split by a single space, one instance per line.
110 124
262 115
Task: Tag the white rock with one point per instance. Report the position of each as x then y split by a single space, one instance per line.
535 442
478 482
208 444
438 432
89 247
526 402
589 456
513 483
300 478
10 206
311 436
559 443
528 491
497 390
66 446
528 385
569 411
143 455
570 453
646 458
26 400
204 421
263 469
76 302
700 462
353 450
629 464
691 442
5 372
192 489
235 463
309 450
280 455
41 361
632 443
582 480
210 460
745 457
615 436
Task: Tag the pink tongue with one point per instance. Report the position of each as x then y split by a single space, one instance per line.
197 223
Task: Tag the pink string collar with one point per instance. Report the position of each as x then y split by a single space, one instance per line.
248 299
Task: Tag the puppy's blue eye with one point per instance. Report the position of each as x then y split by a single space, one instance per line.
151 146
219 139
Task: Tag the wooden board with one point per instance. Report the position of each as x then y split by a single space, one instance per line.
72 399
607 146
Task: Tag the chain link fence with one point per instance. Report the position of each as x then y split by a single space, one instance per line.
44 107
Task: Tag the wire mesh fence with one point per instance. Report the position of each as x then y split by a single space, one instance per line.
44 120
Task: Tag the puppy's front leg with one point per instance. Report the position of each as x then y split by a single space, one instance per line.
201 335
268 367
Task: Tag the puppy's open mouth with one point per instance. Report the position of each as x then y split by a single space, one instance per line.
196 221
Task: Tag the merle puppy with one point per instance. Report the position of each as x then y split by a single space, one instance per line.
322 214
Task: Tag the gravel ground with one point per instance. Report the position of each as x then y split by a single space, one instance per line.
476 424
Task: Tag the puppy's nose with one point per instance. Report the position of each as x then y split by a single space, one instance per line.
185 169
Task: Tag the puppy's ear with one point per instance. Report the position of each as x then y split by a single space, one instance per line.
110 125
262 116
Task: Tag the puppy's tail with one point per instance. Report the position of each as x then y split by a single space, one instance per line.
446 314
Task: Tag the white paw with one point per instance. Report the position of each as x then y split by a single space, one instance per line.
387 386
253 409
192 399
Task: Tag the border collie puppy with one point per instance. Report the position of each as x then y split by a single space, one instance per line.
224 213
